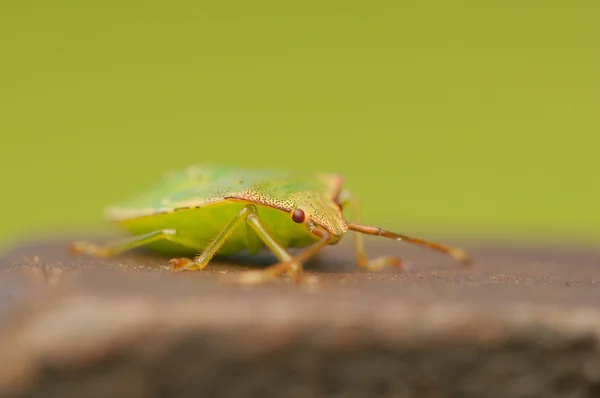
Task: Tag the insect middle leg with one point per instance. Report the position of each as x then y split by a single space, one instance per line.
114 248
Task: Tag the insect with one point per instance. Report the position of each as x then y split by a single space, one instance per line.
209 209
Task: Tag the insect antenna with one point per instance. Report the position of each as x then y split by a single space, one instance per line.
457 254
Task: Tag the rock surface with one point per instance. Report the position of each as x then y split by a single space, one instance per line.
522 322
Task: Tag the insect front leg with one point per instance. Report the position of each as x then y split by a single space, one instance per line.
114 248
289 265
347 199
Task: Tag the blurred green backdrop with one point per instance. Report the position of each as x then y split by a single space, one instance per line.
470 117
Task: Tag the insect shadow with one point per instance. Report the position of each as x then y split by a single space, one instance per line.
321 263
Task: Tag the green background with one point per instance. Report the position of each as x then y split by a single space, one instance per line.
469 117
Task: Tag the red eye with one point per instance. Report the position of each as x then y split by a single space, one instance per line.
298 216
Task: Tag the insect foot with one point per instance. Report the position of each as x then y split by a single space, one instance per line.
180 264
87 248
293 270
260 277
245 278
462 257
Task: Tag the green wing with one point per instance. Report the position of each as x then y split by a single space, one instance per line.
200 185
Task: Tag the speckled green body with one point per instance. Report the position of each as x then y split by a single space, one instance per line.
199 201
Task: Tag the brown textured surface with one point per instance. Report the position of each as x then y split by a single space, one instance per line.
523 322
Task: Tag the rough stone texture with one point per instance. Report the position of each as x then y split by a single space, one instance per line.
522 322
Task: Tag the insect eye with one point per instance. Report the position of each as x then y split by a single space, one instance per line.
298 216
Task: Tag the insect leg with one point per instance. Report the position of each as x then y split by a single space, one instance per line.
114 248
202 260
347 198
289 265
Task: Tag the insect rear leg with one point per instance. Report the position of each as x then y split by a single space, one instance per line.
347 199
116 247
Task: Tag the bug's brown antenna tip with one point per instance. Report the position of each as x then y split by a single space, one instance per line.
461 256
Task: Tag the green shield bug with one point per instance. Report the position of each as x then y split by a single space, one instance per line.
217 209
